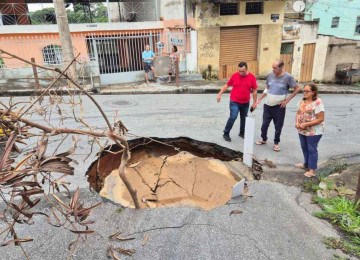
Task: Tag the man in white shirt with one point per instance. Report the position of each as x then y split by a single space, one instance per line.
276 92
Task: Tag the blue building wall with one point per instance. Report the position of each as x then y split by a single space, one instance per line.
348 12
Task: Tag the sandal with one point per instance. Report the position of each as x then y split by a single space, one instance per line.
276 148
300 166
309 175
260 142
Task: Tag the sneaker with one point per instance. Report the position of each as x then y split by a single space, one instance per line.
227 137
241 135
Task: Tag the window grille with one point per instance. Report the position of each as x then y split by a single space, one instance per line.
229 9
254 8
357 26
287 48
8 19
52 55
335 22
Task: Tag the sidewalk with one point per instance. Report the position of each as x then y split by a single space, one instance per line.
186 87
204 87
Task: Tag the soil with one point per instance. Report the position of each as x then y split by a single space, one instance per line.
179 180
171 172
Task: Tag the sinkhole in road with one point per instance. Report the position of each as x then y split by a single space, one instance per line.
170 172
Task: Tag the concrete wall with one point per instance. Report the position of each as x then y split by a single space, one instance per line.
172 12
325 10
340 51
209 22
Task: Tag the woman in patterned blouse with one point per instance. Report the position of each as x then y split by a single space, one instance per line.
174 55
310 125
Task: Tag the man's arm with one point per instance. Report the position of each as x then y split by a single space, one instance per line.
258 101
287 100
222 90
254 96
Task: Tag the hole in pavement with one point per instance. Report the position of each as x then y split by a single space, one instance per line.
197 174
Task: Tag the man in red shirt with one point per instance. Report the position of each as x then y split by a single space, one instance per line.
243 83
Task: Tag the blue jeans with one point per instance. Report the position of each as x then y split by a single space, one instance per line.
235 108
277 114
309 146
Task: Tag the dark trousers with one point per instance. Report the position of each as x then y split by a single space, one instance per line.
309 146
235 109
277 114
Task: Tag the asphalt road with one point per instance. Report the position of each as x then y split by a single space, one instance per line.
275 224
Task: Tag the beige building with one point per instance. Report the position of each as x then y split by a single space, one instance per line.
309 56
238 31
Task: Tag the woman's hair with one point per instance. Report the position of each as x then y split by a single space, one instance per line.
175 48
314 89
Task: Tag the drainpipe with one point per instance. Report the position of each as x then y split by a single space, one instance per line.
185 31
108 13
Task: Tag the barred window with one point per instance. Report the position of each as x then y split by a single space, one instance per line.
335 22
254 8
52 55
229 9
357 26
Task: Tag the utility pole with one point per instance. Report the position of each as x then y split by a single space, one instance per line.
65 37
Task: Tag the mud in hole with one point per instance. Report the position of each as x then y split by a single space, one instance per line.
196 174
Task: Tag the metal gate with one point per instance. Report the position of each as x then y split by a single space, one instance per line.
119 57
238 44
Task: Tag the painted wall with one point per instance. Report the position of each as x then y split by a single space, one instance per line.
340 51
325 10
209 21
172 12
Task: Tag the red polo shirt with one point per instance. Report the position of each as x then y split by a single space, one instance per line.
241 87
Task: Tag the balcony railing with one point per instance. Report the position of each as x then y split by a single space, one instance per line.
24 14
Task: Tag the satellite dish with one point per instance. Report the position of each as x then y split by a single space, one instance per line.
312 1
298 6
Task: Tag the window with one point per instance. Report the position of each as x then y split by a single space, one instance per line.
52 55
229 9
335 22
254 8
357 26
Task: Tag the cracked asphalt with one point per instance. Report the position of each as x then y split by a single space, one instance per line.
276 222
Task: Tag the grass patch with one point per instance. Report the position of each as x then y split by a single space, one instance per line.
311 186
346 215
345 246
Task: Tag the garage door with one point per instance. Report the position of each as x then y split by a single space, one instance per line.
238 44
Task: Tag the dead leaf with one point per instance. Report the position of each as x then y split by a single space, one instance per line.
111 253
125 251
236 211
145 240
117 236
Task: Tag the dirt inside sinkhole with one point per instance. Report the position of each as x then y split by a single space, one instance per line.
197 174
